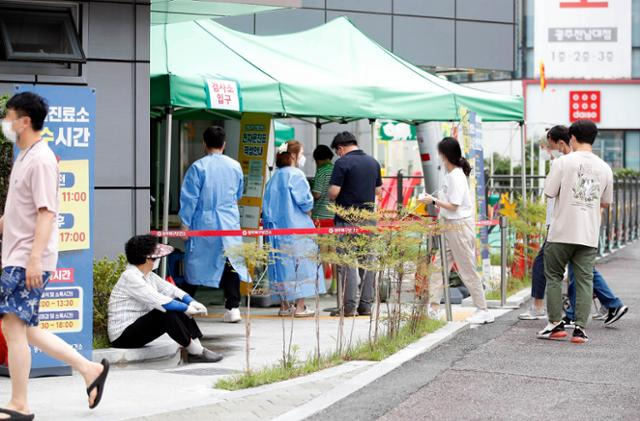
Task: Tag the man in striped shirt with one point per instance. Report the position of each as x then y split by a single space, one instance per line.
143 306
323 156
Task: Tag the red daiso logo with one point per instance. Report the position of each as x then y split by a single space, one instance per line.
584 4
584 105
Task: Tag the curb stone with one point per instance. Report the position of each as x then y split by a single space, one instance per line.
375 372
515 300
161 348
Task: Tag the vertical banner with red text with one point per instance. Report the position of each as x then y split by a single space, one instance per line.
66 308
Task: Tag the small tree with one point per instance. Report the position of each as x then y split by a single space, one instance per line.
256 256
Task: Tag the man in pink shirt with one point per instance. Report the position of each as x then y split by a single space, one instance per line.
29 256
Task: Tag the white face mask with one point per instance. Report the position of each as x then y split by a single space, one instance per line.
544 154
556 154
8 131
156 264
301 161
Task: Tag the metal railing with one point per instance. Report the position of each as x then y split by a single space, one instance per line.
620 221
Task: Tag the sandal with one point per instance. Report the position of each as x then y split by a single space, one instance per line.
16 416
99 384
307 312
286 313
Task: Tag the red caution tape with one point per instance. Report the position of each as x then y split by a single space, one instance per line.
275 232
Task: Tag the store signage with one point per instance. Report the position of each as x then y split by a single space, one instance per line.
394 131
66 307
223 94
583 38
584 105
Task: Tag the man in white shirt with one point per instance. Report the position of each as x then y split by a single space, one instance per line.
581 184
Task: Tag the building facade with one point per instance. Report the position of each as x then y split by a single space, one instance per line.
113 58
443 34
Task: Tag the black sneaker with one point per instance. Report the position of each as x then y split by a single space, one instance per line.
363 311
553 331
568 323
579 336
347 313
615 314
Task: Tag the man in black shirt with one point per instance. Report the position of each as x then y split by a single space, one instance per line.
355 183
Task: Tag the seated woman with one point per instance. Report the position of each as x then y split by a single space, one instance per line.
293 276
143 306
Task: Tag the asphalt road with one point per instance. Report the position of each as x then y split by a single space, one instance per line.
502 372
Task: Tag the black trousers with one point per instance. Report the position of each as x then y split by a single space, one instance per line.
156 323
230 284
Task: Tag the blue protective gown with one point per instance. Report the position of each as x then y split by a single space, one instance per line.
287 200
209 198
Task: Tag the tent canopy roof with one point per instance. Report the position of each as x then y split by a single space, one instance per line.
333 71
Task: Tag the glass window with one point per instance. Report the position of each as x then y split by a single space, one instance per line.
635 63
632 150
529 63
56 39
609 146
528 24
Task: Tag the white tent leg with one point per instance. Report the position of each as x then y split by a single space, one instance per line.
167 185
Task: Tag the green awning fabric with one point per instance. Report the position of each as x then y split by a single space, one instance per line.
283 132
333 72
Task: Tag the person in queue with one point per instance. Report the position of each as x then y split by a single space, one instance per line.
355 183
456 212
293 276
209 198
143 306
558 140
582 184
324 168
29 230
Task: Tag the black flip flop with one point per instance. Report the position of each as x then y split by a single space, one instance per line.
99 384
16 416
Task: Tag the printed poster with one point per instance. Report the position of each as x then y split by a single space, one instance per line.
66 308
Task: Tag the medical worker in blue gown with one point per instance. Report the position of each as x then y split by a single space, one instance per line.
287 204
209 198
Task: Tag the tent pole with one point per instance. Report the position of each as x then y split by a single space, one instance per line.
523 172
374 149
167 181
318 127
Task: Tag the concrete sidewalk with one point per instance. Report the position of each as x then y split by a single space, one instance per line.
156 388
504 373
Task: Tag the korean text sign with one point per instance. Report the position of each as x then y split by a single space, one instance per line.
66 307
252 154
583 38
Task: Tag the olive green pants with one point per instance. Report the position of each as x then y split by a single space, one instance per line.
556 258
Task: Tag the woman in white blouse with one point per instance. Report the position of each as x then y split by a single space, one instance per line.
456 212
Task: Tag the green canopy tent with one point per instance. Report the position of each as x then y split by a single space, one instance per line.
283 132
333 72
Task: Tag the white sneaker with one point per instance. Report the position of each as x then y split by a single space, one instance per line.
481 317
533 314
435 314
232 316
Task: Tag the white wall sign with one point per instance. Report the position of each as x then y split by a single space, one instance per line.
223 94
583 38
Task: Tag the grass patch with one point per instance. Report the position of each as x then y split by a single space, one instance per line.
385 347
100 341
514 285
